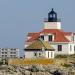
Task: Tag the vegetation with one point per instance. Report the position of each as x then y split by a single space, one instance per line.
1 62
30 61
65 56
73 55
66 65
69 59
61 56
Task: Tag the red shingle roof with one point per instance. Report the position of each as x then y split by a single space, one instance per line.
59 35
68 33
33 37
32 34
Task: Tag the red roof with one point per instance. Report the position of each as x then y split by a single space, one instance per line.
67 33
32 34
73 33
33 37
59 35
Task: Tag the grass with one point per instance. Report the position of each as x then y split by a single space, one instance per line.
30 61
64 59
73 55
66 65
65 56
61 56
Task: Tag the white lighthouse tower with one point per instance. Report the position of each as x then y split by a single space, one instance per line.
53 22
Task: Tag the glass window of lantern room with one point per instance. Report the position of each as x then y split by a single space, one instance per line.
54 15
51 16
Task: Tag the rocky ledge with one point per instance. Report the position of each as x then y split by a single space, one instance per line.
37 70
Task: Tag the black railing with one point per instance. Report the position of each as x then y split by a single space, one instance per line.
57 20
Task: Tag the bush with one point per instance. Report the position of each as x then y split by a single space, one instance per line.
1 62
61 56
73 55
67 65
4 60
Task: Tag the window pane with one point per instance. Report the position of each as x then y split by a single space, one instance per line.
35 54
70 47
48 54
74 48
51 16
5 52
51 54
54 15
59 47
50 38
42 37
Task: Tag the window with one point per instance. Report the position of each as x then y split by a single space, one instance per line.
48 54
74 48
2 52
42 37
11 52
2 55
5 52
70 48
73 38
3 49
50 38
51 54
51 16
5 55
11 56
54 15
6 49
35 54
59 47
14 52
14 49
14 56
39 54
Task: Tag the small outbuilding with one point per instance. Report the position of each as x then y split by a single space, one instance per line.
39 49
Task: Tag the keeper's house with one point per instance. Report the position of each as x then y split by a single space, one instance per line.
54 40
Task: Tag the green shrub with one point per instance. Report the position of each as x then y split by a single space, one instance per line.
61 56
4 60
66 65
73 55
1 62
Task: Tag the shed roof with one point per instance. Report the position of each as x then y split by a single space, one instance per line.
39 45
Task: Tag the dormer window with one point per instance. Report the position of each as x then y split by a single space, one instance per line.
42 37
49 37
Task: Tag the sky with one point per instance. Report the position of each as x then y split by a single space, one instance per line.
18 17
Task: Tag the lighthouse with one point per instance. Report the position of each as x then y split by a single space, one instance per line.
52 21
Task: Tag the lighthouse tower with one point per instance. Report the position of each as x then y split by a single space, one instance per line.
52 22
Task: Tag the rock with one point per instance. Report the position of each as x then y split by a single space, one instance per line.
27 72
